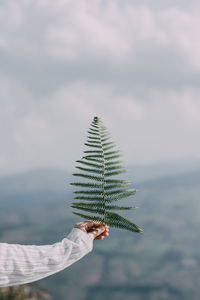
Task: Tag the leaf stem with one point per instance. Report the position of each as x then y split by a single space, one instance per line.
103 182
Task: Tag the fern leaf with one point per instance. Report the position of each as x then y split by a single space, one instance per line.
120 196
97 178
115 168
93 156
94 142
105 138
113 186
95 196
116 181
92 145
93 151
107 144
93 192
93 133
87 217
106 174
101 206
121 191
105 135
109 147
88 185
112 157
93 138
91 209
90 164
94 126
94 130
111 163
94 159
116 207
110 153
87 198
91 170
116 220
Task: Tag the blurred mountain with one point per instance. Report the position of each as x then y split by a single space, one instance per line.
58 180
49 179
140 173
164 263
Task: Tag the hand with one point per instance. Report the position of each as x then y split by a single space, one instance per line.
96 230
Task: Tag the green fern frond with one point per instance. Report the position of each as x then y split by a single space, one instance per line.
105 136
115 168
90 164
120 196
116 207
98 160
109 143
93 138
116 185
108 148
93 142
97 178
118 221
93 156
91 192
91 170
87 198
112 157
106 174
93 145
93 151
101 205
88 185
116 181
93 133
94 130
95 126
111 163
95 210
105 139
87 217
121 191
110 153
99 163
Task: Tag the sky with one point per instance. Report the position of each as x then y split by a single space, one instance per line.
135 64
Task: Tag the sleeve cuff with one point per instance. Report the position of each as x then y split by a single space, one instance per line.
77 234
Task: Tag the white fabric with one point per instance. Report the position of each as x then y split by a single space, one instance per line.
21 264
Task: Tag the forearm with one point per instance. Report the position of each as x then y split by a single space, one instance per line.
22 264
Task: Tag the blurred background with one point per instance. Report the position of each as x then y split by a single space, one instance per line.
137 66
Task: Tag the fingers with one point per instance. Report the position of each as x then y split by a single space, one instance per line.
100 232
102 235
96 230
85 226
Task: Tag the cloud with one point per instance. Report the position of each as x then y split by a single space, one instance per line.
52 131
62 62
47 43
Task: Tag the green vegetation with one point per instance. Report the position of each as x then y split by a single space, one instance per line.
98 165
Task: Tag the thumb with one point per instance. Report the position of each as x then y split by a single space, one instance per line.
96 231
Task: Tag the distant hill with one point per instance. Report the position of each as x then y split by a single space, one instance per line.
35 184
164 263
37 179
56 179
182 179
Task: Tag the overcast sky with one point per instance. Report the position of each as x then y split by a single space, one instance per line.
136 64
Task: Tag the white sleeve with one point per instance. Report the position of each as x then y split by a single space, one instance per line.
21 264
